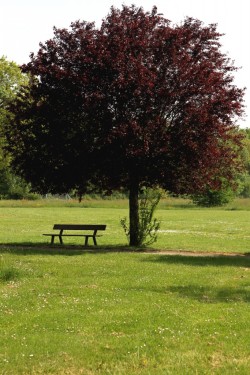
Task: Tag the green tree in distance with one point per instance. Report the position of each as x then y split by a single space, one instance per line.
11 81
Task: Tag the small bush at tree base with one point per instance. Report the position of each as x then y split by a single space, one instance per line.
148 225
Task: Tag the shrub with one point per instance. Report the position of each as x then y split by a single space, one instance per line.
213 198
148 225
245 191
14 187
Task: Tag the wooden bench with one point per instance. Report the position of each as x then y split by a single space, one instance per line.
76 227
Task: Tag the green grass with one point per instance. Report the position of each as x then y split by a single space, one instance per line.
192 229
7 271
75 312
102 311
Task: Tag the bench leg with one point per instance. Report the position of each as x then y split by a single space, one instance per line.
52 239
86 240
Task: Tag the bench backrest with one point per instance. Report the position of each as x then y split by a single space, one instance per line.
79 227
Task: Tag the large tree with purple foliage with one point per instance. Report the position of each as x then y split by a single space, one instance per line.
137 102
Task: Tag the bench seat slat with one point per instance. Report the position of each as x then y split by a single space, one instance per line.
79 227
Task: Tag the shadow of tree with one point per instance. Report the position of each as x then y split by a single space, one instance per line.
210 294
203 294
202 261
27 248
241 260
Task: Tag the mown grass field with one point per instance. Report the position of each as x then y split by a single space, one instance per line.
75 311
188 228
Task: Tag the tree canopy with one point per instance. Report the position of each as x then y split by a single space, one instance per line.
136 102
11 81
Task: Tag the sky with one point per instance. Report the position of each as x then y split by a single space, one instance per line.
25 23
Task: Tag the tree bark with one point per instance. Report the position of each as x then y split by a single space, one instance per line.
134 213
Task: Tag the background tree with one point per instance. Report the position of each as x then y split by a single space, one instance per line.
228 189
11 81
137 102
213 198
245 177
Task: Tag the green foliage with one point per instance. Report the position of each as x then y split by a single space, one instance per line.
224 194
14 187
213 198
246 154
148 225
246 131
245 192
244 178
11 82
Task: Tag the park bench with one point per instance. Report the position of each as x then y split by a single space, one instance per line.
91 230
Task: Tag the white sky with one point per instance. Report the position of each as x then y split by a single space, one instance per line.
25 23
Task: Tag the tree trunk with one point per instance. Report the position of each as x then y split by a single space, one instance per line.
134 213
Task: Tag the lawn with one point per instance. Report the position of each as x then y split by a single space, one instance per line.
75 311
213 230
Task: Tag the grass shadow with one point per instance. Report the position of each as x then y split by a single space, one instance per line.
211 294
27 248
202 261
203 294
206 293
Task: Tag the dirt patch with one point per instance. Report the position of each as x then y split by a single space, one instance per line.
196 253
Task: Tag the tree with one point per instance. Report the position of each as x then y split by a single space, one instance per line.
11 81
245 177
137 102
228 189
